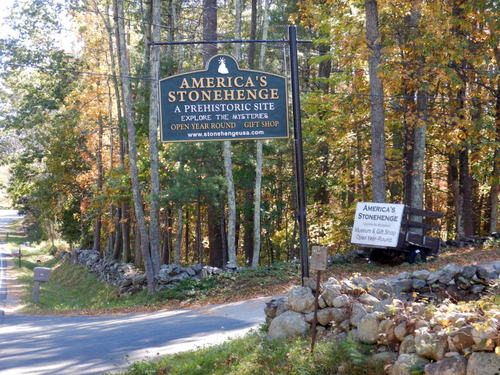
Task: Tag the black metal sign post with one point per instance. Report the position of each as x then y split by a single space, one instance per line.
297 132
299 154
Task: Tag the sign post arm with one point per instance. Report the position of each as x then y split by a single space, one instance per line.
299 155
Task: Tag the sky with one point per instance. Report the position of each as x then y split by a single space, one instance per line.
67 41
4 12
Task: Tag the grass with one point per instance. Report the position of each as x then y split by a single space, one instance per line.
72 289
13 234
254 355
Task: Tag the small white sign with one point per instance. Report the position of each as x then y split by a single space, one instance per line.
377 224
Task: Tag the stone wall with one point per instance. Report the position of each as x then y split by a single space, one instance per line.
414 319
128 278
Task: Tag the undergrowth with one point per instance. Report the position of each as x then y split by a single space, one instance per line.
254 355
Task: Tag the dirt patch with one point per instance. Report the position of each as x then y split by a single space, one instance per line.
15 291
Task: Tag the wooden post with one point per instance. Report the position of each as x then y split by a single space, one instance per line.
318 263
316 306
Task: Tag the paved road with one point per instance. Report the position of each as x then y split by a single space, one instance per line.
86 345
83 345
6 216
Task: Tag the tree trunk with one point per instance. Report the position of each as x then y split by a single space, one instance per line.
137 247
231 200
418 170
454 186
248 226
465 191
214 236
209 28
237 28
124 220
376 101
154 105
495 180
199 244
253 35
100 172
117 246
265 32
167 242
359 163
178 236
128 110
186 237
257 197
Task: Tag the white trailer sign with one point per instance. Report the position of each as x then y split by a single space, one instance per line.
377 224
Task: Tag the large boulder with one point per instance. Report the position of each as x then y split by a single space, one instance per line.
407 345
487 271
401 330
408 364
481 363
379 287
386 331
275 307
331 290
288 324
358 312
418 284
368 329
421 274
447 366
430 345
300 299
444 275
368 299
461 339
385 357
402 285
362 282
331 314
483 334
341 301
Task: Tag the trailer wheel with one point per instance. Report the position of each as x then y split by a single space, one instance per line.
416 255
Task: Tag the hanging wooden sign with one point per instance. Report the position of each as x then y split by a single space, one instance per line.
223 102
319 255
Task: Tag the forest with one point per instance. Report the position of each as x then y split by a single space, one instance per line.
400 104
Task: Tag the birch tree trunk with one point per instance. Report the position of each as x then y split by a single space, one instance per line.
231 200
98 220
259 161
124 218
154 103
127 101
265 33
495 183
257 198
376 101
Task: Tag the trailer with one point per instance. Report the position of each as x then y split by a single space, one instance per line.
393 231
